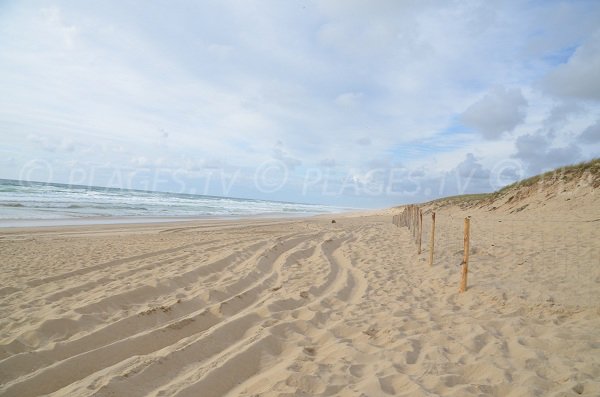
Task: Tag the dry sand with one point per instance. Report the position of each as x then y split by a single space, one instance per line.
307 307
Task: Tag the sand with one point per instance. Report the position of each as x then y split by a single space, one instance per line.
306 307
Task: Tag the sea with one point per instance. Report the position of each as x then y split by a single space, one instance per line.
24 203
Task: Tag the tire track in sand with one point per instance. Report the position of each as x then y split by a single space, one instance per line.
74 368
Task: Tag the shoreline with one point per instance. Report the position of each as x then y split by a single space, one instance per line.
7 224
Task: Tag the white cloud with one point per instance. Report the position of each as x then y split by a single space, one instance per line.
347 85
348 99
65 34
140 161
580 76
281 154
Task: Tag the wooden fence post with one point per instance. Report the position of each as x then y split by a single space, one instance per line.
465 263
414 223
420 237
432 239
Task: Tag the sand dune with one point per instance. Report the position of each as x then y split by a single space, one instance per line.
306 307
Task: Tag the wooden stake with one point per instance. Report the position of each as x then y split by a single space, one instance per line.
420 237
412 220
432 239
465 263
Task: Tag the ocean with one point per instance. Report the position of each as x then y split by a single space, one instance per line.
22 201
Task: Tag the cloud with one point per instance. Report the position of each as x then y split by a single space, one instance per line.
281 154
52 144
348 99
560 116
538 154
211 164
340 82
591 134
469 175
499 111
54 22
580 76
42 142
327 163
140 161
364 141
68 145
471 168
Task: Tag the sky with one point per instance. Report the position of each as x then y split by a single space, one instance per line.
342 102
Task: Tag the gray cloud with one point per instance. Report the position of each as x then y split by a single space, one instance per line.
580 76
364 141
470 167
468 176
499 111
591 134
561 114
537 153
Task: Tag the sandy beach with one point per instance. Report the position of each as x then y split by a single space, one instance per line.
300 198
308 307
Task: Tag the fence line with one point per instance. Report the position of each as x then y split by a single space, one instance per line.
412 218
564 249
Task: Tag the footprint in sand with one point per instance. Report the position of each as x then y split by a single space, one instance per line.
412 356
